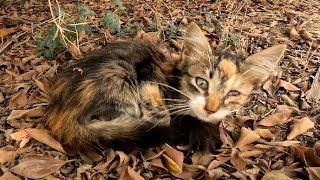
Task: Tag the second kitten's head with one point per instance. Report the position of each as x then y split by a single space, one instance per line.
215 86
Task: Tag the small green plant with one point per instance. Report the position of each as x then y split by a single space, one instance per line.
118 4
64 32
111 21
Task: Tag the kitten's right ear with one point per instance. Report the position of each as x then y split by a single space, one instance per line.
258 67
195 43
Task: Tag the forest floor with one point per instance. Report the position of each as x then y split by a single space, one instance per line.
275 135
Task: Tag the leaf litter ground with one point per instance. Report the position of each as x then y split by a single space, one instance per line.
276 135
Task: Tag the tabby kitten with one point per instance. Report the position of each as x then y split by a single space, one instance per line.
110 98
214 85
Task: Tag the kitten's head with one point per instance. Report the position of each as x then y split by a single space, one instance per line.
219 85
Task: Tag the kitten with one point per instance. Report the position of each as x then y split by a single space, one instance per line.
211 86
110 98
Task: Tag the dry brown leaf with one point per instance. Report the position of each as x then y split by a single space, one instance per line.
74 50
9 176
308 155
264 133
238 162
314 92
37 166
6 155
224 136
288 86
314 173
174 158
280 116
19 99
172 165
251 153
42 135
4 32
201 158
131 174
294 35
282 143
34 112
39 84
275 175
220 159
300 126
19 135
247 136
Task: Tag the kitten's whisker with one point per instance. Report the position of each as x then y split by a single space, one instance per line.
171 88
177 100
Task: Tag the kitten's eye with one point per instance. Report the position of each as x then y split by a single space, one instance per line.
202 83
233 93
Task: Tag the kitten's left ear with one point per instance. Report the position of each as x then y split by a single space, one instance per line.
258 67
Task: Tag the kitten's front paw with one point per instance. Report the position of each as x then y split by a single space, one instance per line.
204 137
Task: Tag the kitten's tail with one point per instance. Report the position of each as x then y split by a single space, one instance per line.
124 133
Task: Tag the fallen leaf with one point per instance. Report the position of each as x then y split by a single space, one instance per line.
4 32
17 100
131 174
42 135
37 166
34 112
314 173
9 176
220 159
247 136
307 155
74 50
201 158
275 175
314 92
19 135
6 155
264 133
174 158
288 86
282 143
172 165
238 162
294 35
280 116
39 84
300 126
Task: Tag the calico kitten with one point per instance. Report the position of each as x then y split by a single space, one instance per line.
109 98
214 85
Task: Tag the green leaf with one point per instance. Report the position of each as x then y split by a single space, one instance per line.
111 21
83 12
118 4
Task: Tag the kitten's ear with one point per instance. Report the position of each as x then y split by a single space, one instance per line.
258 67
195 43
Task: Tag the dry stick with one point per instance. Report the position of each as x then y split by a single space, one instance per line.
60 30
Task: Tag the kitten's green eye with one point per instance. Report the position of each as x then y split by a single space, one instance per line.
202 83
233 93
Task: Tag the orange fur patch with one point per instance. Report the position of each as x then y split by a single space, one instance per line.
213 103
227 67
152 92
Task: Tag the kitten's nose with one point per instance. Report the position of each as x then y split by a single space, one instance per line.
208 111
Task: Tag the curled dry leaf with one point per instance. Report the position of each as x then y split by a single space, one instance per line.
247 136
37 166
280 116
201 158
300 126
39 84
294 35
9 176
275 175
307 155
173 159
172 165
288 86
220 159
19 135
224 136
42 135
264 133
34 112
238 162
314 173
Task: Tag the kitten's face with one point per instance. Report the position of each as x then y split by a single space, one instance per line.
217 86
